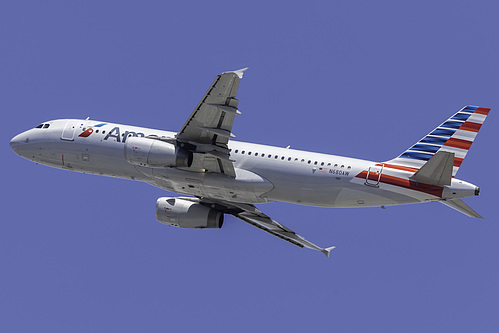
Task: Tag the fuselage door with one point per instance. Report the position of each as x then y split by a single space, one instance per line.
68 133
374 175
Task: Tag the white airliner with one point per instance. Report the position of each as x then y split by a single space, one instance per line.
223 176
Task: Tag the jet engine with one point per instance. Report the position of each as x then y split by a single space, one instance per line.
187 213
155 153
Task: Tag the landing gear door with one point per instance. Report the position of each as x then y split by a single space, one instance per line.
68 133
374 175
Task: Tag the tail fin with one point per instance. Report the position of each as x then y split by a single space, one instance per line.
454 136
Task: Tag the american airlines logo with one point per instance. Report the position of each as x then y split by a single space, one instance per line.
86 133
115 133
121 137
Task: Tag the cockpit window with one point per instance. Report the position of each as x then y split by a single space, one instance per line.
39 126
46 126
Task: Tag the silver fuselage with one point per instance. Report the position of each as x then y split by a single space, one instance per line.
263 173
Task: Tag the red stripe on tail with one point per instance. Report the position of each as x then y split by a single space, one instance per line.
458 143
484 111
458 161
469 126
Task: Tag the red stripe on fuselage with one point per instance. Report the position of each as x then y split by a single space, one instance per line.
458 161
398 167
405 183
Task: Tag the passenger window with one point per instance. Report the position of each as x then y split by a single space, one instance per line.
249 153
256 154
309 161
289 158
270 156
97 131
282 158
322 163
349 167
46 126
328 164
276 157
303 160
242 152
237 150
342 166
315 163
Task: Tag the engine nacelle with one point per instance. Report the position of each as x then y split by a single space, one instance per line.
155 153
184 213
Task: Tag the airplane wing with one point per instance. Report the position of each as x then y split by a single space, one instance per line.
208 130
252 215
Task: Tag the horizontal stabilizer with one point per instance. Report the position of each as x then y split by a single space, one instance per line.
461 207
437 171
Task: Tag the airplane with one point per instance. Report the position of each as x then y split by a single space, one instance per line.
223 176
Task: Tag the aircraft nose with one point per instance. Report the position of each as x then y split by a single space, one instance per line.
17 141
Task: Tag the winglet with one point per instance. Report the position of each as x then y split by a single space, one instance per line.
327 250
239 72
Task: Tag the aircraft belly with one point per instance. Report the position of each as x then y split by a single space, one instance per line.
303 186
83 158
357 194
343 192
320 197
246 187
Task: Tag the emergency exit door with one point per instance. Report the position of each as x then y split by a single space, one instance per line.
374 175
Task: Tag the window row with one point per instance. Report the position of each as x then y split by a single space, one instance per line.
296 159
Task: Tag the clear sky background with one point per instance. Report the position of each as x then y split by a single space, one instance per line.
366 79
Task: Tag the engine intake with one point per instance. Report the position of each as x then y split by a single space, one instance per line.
184 213
155 153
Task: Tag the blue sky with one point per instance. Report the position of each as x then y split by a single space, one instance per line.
364 79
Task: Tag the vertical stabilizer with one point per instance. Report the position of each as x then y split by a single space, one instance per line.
455 135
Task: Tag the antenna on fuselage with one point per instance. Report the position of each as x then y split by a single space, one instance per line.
87 118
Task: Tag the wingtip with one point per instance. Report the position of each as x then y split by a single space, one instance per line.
327 251
239 72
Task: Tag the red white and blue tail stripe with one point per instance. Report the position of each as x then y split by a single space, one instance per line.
455 135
